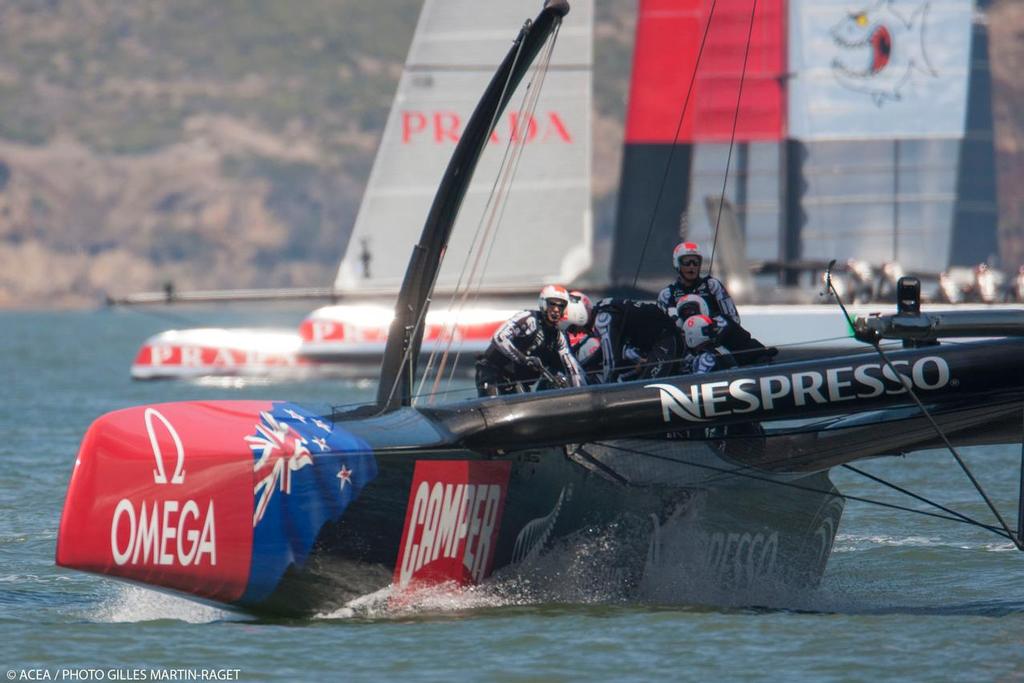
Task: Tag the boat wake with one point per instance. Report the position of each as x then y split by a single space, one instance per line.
684 571
435 600
588 569
849 543
596 566
132 604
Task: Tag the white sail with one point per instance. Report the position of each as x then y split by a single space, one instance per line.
873 69
545 232
888 110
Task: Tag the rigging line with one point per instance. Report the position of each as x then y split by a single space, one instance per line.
938 430
454 370
798 344
421 316
476 233
497 207
531 107
904 491
830 287
675 143
360 404
738 472
467 275
942 435
732 137
734 354
490 220
746 474
531 99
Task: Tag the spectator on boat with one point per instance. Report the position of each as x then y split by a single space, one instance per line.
529 347
687 259
702 355
627 339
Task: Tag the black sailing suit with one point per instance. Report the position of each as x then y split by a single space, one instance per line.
722 310
504 367
630 332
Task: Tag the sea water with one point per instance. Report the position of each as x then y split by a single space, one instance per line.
904 596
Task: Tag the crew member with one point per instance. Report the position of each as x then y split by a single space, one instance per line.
687 259
584 342
687 305
699 336
529 347
636 340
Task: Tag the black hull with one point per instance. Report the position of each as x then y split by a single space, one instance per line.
638 531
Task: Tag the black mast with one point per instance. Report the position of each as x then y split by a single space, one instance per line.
406 334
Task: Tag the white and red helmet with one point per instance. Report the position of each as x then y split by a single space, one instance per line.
690 304
577 313
698 330
552 292
685 249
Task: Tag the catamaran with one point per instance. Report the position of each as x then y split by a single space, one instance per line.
818 158
280 507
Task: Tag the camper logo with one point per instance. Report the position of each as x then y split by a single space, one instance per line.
879 49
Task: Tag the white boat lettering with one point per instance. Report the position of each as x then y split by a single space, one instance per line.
485 513
191 356
737 392
837 388
224 358
160 354
860 375
447 519
917 376
895 376
321 330
701 402
160 474
675 402
768 395
163 533
807 385
742 558
707 395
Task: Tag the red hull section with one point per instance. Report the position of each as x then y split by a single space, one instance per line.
163 494
452 522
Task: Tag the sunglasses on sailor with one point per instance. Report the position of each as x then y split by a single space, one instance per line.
689 262
556 303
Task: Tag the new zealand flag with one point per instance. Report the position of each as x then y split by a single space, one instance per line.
306 472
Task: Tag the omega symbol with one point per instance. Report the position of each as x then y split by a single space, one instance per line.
160 474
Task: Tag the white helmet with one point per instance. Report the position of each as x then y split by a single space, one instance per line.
685 249
698 330
577 313
553 292
690 304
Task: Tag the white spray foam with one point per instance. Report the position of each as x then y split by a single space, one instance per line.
134 604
